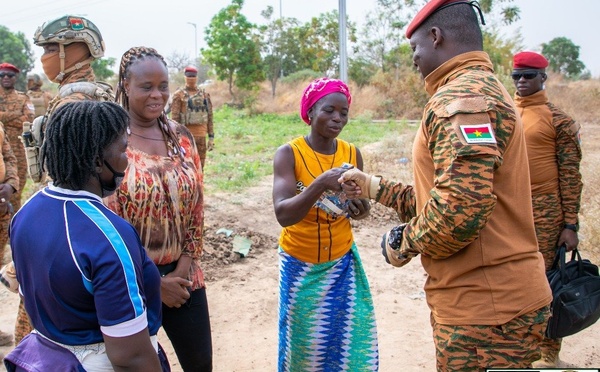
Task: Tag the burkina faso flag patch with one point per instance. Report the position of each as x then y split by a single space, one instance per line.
478 133
76 24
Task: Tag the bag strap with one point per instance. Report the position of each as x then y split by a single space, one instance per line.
575 256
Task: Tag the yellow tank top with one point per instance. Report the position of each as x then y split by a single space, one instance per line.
319 237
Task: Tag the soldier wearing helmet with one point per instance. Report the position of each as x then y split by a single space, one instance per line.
71 44
39 98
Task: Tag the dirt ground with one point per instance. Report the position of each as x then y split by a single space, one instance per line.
242 293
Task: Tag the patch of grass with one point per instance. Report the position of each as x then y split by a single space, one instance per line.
245 145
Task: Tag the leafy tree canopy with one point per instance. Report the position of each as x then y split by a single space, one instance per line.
563 57
15 49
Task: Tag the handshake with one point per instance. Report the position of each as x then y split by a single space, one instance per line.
368 184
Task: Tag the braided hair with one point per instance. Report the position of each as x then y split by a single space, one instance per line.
76 135
129 58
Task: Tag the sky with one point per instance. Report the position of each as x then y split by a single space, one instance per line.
167 25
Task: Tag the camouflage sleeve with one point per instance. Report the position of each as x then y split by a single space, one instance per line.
10 163
568 154
462 198
399 197
178 107
209 107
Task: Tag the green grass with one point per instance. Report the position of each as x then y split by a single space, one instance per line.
245 145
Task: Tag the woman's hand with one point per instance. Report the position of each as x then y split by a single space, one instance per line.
359 208
174 290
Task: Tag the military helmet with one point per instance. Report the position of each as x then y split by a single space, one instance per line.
34 80
71 29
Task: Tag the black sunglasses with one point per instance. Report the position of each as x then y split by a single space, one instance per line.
526 75
9 74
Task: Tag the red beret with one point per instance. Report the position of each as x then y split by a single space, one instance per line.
191 69
429 8
8 66
529 60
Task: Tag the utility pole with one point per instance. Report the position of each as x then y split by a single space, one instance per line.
196 61
343 37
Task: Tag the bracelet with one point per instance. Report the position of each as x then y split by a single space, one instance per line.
571 226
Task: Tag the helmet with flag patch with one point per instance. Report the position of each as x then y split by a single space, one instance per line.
71 29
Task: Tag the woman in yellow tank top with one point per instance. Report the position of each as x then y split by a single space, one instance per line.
326 317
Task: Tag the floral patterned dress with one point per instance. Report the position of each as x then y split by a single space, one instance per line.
163 198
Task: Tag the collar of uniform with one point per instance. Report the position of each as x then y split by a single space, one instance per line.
536 99
447 70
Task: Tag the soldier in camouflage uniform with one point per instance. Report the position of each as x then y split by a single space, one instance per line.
192 107
39 98
554 153
15 108
9 183
469 213
71 44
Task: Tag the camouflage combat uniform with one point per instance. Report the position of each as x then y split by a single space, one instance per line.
193 108
15 108
40 100
554 153
469 217
8 175
69 91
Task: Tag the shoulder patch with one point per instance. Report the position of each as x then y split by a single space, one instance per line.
478 133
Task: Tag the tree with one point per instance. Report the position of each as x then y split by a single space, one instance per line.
563 57
15 49
233 48
279 47
179 61
103 68
382 33
318 41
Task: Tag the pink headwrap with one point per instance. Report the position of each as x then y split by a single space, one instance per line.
318 89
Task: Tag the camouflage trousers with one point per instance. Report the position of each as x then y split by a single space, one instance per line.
476 347
23 325
4 222
549 221
201 145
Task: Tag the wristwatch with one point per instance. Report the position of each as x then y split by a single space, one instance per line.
395 237
572 226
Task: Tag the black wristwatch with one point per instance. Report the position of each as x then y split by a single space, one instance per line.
395 237
572 226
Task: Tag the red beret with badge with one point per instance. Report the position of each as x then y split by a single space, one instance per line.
8 66
191 69
529 60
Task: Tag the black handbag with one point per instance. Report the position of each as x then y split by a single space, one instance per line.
576 294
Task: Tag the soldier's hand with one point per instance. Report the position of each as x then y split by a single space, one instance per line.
369 184
210 145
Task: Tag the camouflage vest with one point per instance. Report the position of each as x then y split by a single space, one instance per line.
197 108
38 101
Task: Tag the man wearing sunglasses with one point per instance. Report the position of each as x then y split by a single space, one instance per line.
554 153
